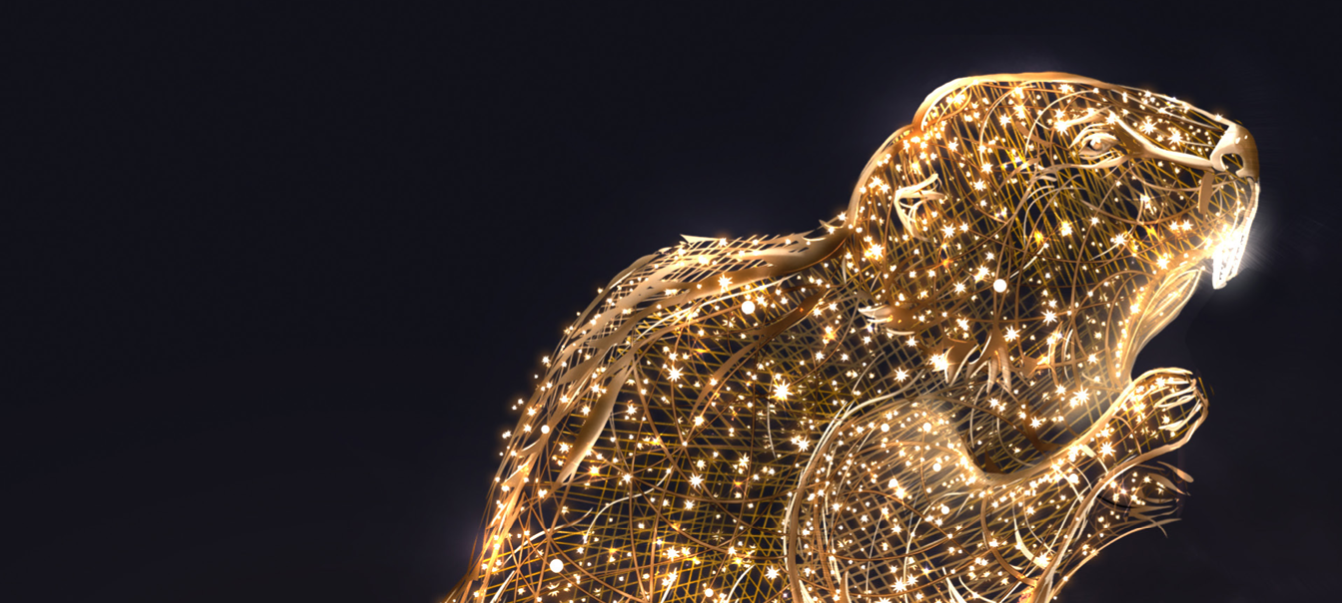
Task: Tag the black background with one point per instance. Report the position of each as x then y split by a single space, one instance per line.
275 275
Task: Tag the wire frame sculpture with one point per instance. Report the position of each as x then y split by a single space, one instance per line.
926 399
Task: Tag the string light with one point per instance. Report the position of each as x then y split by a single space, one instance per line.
926 399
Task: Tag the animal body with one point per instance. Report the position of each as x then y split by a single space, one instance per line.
928 398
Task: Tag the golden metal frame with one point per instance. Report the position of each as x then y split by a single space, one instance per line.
927 399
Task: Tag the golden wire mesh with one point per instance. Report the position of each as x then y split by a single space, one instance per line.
925 399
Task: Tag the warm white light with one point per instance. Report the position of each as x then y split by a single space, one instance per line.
882 390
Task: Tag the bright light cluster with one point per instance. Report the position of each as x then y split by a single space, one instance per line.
927 399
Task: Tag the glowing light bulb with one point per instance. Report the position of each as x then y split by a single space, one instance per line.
999 285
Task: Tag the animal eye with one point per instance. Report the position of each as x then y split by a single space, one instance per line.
1098 142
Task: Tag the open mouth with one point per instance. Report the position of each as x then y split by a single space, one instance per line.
1229 251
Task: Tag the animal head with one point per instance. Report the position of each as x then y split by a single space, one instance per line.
1036 151
1048 220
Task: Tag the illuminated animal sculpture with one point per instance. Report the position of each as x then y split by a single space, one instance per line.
927 399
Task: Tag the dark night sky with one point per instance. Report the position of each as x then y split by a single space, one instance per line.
274 277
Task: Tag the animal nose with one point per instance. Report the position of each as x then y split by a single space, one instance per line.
1237 141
